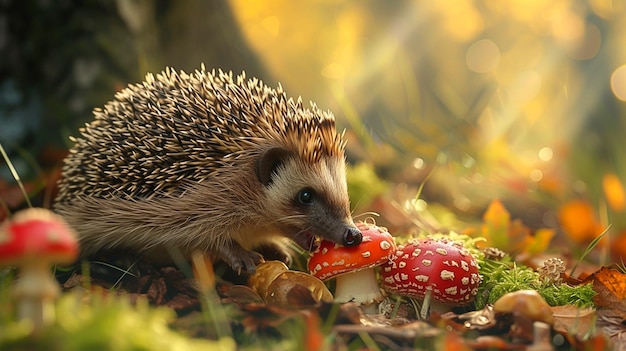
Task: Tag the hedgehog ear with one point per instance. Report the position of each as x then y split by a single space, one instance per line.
269 162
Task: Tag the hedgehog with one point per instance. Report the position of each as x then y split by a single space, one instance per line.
207 162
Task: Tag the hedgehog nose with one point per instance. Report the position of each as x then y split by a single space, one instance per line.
352 237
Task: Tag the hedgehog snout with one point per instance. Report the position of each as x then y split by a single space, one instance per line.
352 237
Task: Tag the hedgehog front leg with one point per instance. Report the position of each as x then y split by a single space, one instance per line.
273 250
238 258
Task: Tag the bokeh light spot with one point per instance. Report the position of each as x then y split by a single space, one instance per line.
536 175
618 82
482 56
546 154
418 163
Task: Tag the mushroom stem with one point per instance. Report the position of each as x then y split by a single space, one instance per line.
541 337
34 291
360 287
426 303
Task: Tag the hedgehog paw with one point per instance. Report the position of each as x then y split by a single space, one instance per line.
240 259
274 251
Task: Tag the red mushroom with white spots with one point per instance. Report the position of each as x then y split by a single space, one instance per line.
33 240
354 266
437 269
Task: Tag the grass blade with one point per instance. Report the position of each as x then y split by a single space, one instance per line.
15 175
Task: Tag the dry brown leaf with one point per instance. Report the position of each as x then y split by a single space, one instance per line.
240 295
610 286
572 320
613 326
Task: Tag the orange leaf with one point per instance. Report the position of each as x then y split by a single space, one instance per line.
496 224
610 286
518 236
453 342
578 220
512 236
314 336
541 240
614 192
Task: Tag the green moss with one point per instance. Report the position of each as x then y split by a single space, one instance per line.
563 294
92 322
502 277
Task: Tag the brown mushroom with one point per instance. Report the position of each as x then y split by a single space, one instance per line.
273 281
526 307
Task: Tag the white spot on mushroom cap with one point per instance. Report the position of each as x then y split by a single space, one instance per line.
385 245
317 267
447 275
338 263
453 290
421 278
447 270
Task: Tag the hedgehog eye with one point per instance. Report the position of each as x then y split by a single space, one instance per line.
306 196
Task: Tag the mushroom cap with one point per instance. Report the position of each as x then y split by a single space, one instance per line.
330 259
525 304
37 233
265 273
440 265
277 292
273 281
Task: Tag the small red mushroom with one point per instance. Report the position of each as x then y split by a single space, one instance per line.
354 266
440 269
33 239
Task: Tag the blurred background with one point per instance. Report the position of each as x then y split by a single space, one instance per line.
447 105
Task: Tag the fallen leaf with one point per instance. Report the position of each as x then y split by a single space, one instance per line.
610 286
496 223
265 318
240 295
579 221
512 236
571 320
613 327
541 240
